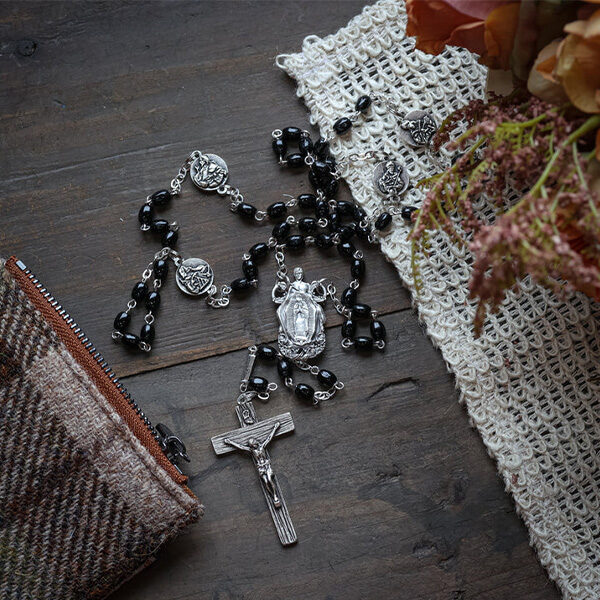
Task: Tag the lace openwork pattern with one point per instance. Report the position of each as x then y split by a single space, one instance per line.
531 382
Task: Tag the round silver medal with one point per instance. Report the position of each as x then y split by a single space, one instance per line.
209 172
417 128
194 276
390 178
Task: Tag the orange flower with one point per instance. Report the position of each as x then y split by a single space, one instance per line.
486 27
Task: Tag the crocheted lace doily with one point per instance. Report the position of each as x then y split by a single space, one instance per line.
531 382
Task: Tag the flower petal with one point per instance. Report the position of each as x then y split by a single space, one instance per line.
500 28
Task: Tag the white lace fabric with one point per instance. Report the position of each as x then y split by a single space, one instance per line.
531 382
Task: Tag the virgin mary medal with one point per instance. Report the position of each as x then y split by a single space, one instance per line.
301 317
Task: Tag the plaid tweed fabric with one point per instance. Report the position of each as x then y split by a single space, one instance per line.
83 504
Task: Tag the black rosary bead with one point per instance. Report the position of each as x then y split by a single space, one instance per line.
323 241
348 297
139 291
258 384
348 328
360 214
321 148
291 134
307 201
407 212
147 333
361 311
170 238
281 231
295 160
363 103
321 167
305 145
277 210
161 198
246 210
307 225
345 232
342 125
145 215
280 148
345 208
153 300
347 249
305 393
378 330
240 285
250 269
161 268
333 220
131 340
326 378
330 162
331 188
383 221
159 226
295 242
322 209
259 250
363 343
285 368
122 320
266 352
362 232
357 270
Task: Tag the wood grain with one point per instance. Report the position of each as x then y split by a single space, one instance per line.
391 492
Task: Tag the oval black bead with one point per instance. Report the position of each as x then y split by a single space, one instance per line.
346 249
258 384
259 250
277 210
266 352
362 232
279 147
321 148
161 268
147 333
295 242
361 311
295 160
241 284
348 328
319 179
246 210
305 392
331 188
145 215
345 208
345 232
131 340
250 269
383 221
122 320
320 167
333 220
170 238
330 162
139 291
342 125
291 134
359 213
378 330
363 343
322 209
326 378
285 368
307 225
307 201
159 226
305 145
363 103
153 300
407 212
357 270
161 198
281 231
349 297
323 241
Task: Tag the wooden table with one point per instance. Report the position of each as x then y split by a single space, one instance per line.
392 493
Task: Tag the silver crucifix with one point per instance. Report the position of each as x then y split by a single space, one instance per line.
253 437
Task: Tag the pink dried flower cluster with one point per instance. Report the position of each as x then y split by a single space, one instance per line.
516 146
